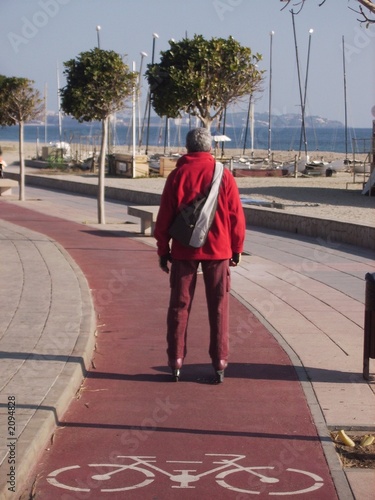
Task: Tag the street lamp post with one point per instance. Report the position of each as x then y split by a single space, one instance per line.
154 36
98 35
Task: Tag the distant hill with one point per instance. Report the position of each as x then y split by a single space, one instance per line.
237 119
287 120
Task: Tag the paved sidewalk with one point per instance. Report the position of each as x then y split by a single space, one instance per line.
310 297
43 356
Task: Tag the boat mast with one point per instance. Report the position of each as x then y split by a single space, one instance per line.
134 99
247 124
252 125
59 103
311 31
139 90
303 128
166 136
269 96
45 113
345 102
154 37
224 127
249 120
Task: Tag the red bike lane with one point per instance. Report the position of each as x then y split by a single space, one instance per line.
133 433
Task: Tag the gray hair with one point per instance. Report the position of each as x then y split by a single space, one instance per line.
198 139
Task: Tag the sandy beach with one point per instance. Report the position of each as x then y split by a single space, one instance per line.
10 150
337 198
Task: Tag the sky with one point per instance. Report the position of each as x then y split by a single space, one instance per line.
37 36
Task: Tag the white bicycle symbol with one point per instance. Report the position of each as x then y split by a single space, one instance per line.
183 477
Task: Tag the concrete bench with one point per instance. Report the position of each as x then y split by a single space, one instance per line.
147 214
6 186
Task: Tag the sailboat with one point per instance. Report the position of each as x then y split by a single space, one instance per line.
64 147
303 164
246 162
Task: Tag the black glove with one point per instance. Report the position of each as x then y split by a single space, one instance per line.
235 260
163 262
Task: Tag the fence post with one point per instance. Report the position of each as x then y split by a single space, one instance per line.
369 326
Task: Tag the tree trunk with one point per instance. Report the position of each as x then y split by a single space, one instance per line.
101 186
22 163
206 122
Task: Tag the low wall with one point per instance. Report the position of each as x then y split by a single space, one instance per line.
90 189
326 230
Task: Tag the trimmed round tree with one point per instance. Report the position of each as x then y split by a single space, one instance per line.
20 102
97 84
201 77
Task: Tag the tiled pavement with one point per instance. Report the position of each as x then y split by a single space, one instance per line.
309 295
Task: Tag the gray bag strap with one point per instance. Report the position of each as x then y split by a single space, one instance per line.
205 218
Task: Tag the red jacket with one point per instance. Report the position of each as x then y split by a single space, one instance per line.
193 176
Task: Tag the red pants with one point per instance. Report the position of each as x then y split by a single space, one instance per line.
183 280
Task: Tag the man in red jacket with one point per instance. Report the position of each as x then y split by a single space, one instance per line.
222 248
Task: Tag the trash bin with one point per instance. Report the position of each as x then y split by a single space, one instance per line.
369 327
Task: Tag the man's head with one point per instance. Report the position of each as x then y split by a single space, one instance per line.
198 140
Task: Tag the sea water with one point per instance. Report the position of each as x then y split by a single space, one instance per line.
282 139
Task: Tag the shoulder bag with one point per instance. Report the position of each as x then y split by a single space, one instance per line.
193 222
